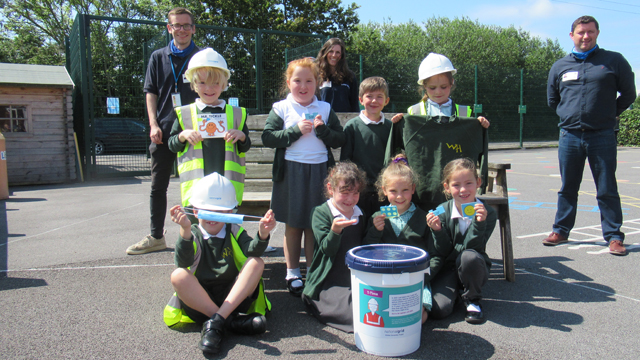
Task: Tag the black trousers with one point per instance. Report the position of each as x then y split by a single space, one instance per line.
470 274
162 160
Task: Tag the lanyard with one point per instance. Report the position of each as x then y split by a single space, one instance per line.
175 78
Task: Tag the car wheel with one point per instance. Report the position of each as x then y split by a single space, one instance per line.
99 148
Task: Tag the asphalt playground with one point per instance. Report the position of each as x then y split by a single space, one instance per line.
69 291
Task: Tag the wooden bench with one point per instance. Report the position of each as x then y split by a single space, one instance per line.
257 193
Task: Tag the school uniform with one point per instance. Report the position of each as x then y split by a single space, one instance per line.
459 260
327 292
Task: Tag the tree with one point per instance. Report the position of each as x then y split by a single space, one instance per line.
395 51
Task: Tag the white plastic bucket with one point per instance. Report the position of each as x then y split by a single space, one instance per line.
386 288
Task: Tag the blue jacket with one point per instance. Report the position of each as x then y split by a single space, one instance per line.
584 92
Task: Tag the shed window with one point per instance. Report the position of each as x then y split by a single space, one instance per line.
13 119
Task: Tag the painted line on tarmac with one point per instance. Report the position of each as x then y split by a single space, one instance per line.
579 285
88 267
66 226
626 224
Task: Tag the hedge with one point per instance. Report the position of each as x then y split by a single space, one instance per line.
629 134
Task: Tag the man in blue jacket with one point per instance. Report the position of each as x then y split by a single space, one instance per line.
583 88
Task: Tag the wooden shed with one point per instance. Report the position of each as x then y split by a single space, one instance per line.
36 119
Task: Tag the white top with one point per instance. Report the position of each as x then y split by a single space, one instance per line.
463 222
337 214
202 105
434 109
368 121
308 149
206 235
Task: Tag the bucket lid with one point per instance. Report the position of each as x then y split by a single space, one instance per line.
387 258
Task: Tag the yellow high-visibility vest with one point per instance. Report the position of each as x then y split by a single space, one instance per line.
173 312
191 162
421 109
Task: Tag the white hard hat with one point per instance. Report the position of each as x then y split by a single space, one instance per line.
206 58
434 64
213 192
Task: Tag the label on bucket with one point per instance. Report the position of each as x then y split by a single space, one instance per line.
387 312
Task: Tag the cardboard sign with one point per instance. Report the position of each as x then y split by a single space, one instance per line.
310 116
389 211
212 125
469 210
439 210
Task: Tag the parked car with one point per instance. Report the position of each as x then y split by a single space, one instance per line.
120 135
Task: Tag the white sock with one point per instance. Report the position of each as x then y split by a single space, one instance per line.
292 274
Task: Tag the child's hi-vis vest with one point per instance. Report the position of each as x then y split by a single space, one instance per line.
421 109
173 312
191 162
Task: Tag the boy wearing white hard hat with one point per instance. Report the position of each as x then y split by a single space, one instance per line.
218 281
209 135
435 75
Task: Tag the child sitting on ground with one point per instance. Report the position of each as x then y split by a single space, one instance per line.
219 270
397 183
338 226
460 238
366 139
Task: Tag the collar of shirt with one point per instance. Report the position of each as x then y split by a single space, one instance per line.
314 103
201 106
463 222
205 235
337 214
368 121
435 109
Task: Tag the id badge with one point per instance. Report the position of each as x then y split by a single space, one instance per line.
570 76
175 99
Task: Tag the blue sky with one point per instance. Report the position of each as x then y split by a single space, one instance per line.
552 19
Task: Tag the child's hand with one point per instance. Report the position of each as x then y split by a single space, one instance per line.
317 121
396 118
339 224
234 135
378 222
192 136
481 212
305 126
433 221
267 223
484 122
179 217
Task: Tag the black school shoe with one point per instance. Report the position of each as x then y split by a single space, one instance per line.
212 333
474 317
251 324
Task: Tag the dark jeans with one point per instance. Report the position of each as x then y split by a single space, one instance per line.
600 148
470 274
162 160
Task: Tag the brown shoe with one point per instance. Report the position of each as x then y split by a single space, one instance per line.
554 239
617 248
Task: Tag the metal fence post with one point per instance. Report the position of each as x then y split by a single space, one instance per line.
475 91
521 100
259 71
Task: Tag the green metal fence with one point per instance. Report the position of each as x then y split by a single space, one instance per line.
501 92
107 59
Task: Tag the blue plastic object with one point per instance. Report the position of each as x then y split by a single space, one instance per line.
387 259
220 217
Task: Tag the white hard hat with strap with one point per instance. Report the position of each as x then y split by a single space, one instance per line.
434 64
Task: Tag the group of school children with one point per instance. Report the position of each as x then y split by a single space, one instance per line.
334 205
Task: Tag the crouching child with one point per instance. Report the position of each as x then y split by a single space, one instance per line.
218 282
